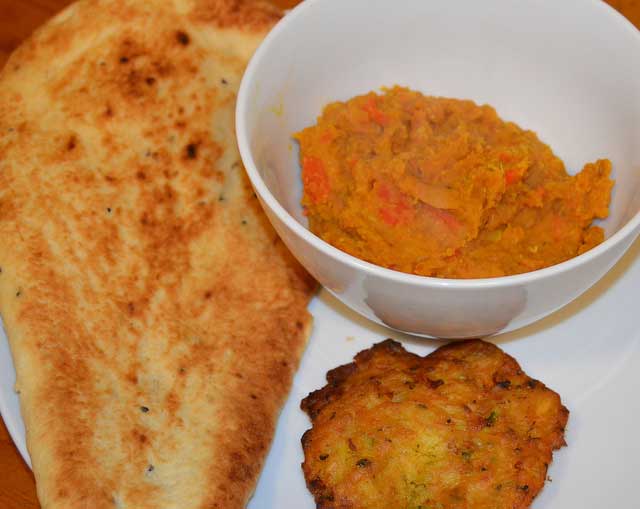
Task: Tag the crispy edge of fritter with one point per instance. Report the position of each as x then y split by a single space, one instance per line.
339 377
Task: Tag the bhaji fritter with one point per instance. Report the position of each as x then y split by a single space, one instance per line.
462 428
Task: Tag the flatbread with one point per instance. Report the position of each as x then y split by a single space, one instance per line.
154 316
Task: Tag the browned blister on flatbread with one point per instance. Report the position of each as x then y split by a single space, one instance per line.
154 317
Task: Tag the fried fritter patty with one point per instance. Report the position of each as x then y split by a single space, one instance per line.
463 428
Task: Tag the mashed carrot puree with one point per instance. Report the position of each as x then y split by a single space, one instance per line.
443 187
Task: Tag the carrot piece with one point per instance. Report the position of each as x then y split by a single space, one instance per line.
315 179
512 177
384 192
444 217
505 157
390 215
375 114
397 208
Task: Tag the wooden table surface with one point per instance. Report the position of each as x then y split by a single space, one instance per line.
17 19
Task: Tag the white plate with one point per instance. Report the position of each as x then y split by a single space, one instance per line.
588 352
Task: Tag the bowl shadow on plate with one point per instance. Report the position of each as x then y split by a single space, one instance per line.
580 303
374 328
583 301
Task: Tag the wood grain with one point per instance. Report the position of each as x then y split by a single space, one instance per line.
17 487
18 18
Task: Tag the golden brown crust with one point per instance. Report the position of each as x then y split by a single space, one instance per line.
154 316
464 427
241 14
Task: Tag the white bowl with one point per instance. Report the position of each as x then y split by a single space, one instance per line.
567 70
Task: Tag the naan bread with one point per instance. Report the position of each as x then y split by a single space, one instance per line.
154 317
